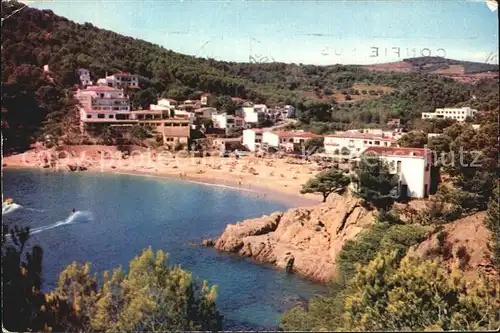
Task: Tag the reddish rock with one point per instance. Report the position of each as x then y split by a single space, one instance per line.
301 240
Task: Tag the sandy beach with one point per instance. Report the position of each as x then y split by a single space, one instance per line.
280 179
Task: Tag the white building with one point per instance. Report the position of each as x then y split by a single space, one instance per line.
459 114
355 142
102 104
84 76
433 135
228 122
261 108
289 141
204 99
120 80
411 164
251 115
164 103
206 112
252 139
288 112
186 115
394 133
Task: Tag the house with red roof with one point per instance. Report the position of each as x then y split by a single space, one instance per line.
412 165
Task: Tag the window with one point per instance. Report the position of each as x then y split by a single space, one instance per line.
398 167
89 116
111 116
100 115
377 143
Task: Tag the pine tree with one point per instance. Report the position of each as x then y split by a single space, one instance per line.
326 183
151 296
414 294
374 183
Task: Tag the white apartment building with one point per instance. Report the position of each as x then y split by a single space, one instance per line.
459 114
84 75
252 139
107 105
228 122
120 80
251 115
355 142
289 141
411 164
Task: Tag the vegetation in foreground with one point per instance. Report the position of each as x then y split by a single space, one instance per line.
379 288
150 296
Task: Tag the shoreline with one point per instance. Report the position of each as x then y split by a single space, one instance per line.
281 190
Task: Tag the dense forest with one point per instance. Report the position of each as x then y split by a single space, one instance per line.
36 103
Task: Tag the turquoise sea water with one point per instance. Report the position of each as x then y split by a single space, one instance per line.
119 215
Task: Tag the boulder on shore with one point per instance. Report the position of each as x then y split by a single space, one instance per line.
207 243
301 240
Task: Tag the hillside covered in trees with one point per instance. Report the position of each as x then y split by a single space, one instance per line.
328 98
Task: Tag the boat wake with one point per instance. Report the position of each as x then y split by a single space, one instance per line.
75 217
34 209
9 208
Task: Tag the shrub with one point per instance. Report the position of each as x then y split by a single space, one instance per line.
179 146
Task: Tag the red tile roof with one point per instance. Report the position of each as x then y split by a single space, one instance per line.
237 99
101 88
396 151
296 134
366 136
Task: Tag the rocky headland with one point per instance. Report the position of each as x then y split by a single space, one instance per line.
302 240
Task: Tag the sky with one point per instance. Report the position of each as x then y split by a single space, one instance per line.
309 32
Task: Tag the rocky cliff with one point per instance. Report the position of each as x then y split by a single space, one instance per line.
301 240
463 243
